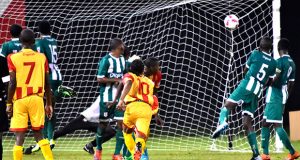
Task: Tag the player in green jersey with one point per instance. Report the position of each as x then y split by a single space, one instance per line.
110 72
259 68
276 98
14 45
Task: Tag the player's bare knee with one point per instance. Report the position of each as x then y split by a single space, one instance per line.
265 123
229 105
127 130
277 125
120 124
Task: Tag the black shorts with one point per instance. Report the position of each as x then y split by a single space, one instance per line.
3 117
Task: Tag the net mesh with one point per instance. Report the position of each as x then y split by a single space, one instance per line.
188 37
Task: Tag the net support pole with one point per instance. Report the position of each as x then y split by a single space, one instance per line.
276 37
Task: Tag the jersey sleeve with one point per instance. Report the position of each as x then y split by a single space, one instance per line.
292 77
4 70
11 66
273 69
128 77
4 50
39 47
250 60
278 66
102 68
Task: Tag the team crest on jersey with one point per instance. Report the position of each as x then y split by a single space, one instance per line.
116 75
105 114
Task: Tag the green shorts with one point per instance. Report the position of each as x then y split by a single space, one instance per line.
246 99
109 113
275 99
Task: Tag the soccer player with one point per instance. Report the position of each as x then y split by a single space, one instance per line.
4 79
110 73
260 67
277 95
29 80
14 45
138 97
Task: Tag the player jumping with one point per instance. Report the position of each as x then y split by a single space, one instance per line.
29 80
138 97
277 96
259 68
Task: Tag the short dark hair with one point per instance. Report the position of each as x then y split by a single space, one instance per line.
115 43
137 67
265 43
152 61
15 30
283 44
27 37
44 27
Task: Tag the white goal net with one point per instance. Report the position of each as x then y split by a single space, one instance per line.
187 36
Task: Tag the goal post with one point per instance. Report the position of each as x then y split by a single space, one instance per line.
201 61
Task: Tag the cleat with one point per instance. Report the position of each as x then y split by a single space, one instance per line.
89 148
256 158
98 155
220 130
265 157
64 91
138 151
52 144
28 150
296 155
145 155
117 157
35 148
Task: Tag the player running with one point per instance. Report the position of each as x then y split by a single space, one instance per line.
138 97
277 96
110 73
14 45
29 80
48 46
259 68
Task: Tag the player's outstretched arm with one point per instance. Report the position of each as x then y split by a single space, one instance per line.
109 80
11 91
48 107
118 93
126 89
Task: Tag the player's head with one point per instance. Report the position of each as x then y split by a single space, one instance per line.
116 46
151 66
283 45
15 30
27 38
137 67
265 44
45 28
126 52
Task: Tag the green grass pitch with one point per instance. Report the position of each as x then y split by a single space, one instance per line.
154 154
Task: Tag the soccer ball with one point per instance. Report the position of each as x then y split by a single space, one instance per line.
231 22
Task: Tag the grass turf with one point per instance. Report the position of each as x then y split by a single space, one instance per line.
179 154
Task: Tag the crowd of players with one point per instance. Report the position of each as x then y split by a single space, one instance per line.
127 96
115 71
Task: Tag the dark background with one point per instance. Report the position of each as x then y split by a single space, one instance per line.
290 29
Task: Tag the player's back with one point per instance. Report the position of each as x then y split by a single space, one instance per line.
12 46
141 89
48 46
287 69
30 68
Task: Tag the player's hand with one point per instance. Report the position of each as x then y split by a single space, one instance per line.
9 110
118 81
110 104
49 111
159 121
121 105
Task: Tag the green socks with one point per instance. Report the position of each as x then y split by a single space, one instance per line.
253 143
285 139
223 115
265 138
119 142
99 138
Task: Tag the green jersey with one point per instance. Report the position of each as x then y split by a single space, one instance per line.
12 46
48 46
287 69
110 67
261 66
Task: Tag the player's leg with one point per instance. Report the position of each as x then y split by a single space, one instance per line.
4 123
128 128
18 148
37 118
265 139
118 115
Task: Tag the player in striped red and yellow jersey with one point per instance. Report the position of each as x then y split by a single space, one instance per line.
29 80
137 98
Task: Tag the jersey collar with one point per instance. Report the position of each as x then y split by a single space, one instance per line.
285 55
46 36
266 53
113 56
15 39
26 50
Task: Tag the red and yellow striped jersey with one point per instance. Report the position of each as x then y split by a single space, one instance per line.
156 78
30 68
141 89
